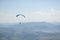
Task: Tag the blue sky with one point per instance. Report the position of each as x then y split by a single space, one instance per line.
34 10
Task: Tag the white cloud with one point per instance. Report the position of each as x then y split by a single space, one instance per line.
7 18
51 15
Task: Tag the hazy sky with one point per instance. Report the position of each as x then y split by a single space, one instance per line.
34 10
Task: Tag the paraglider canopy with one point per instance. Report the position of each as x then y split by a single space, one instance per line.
20 15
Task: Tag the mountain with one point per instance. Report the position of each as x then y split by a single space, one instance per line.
39 26
30 31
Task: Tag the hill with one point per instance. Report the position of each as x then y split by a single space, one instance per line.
30 31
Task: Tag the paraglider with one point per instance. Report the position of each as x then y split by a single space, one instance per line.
20 15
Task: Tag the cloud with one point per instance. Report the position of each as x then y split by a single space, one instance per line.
7 18
51 15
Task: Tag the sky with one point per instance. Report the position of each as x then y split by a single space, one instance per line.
34 10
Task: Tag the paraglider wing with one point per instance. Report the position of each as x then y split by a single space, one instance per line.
17 15
20 15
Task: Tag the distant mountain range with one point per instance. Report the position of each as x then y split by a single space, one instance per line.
30 31
39 26
35 26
